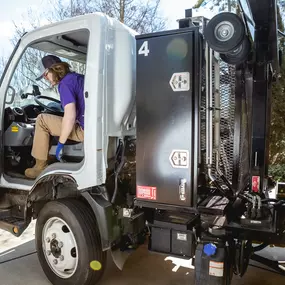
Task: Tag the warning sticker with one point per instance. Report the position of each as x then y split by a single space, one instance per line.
216 269
255 183
179 158
180 81
146 192
182 236
15 129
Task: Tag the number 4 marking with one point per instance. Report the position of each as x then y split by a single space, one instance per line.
144 49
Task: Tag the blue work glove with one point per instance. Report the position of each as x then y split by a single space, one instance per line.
58 152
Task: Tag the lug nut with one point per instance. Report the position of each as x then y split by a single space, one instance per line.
48 252
55 261
53 236
61 258
60 244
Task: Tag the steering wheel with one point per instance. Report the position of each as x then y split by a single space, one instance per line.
50 109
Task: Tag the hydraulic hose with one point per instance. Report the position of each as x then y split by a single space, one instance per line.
118 170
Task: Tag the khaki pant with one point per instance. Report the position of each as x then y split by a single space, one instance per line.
50 125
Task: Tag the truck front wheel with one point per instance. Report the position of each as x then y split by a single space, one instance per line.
68 242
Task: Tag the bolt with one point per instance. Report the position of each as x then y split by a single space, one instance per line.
48 252
60 244
48 240
53 236
55 261
61 258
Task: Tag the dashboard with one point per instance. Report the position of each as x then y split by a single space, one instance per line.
26 114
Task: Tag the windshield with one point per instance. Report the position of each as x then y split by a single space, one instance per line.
24 78
9 61
24 97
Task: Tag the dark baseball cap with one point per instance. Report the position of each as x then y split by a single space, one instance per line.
46 62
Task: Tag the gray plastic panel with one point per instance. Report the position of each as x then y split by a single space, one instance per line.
19 134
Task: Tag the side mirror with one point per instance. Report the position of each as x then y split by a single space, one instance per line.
11 92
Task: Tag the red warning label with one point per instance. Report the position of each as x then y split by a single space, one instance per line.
146 192
255 183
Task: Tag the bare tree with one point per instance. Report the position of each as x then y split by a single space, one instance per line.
223 5
3 62
142 16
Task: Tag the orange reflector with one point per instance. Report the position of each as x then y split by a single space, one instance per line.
15 230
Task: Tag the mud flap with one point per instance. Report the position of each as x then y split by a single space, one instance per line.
120 257
103 212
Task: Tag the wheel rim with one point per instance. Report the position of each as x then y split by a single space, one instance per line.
60 247
224 31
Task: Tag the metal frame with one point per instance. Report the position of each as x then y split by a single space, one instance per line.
253 86
209 111
275 265
266 57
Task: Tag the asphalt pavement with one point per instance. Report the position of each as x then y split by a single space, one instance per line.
19 265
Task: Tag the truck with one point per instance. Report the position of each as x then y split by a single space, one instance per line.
175 150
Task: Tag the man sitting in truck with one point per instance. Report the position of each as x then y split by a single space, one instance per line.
71 125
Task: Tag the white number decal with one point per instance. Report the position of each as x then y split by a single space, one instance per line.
144 49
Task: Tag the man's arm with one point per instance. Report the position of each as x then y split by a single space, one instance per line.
68 122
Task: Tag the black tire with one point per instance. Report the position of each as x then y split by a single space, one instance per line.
83 225
239 55
235 28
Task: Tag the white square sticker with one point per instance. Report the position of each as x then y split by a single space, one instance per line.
216 269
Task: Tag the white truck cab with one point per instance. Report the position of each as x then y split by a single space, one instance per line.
106 49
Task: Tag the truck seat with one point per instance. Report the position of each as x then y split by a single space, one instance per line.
72 150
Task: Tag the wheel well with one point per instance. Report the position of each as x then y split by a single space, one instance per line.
61 187
54 187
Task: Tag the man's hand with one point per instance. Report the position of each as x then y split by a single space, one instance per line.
68 122
58 152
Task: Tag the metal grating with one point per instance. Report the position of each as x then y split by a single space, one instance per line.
227 119
203 123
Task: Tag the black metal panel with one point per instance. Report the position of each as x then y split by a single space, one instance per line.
197 89
242 139
167 119
260 96
260 10
265 49
237 133
264 13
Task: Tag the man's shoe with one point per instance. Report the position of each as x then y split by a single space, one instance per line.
34 172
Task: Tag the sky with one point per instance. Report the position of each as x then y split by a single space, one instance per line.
13 11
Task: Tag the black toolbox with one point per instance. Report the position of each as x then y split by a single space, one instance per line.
172 233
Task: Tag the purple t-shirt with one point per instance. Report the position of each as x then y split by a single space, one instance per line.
71 90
